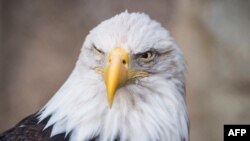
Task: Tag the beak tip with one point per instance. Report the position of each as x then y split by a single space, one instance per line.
110 102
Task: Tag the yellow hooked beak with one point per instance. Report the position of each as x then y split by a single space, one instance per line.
117 72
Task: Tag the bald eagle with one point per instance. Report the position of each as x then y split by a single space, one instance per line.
127 85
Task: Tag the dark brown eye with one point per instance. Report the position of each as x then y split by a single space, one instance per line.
147 56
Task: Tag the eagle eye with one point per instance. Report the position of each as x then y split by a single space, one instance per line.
147 56
97 50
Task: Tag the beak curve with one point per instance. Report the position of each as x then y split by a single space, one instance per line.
116 72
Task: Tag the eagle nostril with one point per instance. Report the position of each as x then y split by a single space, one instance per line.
124 61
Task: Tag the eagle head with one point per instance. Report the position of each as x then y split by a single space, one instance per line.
128 84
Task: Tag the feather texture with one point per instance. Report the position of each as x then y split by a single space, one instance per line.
30 130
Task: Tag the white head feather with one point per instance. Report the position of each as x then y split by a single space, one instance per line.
153 108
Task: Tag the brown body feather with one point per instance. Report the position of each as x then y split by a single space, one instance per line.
29 129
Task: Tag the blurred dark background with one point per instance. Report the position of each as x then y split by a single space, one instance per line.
41 40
